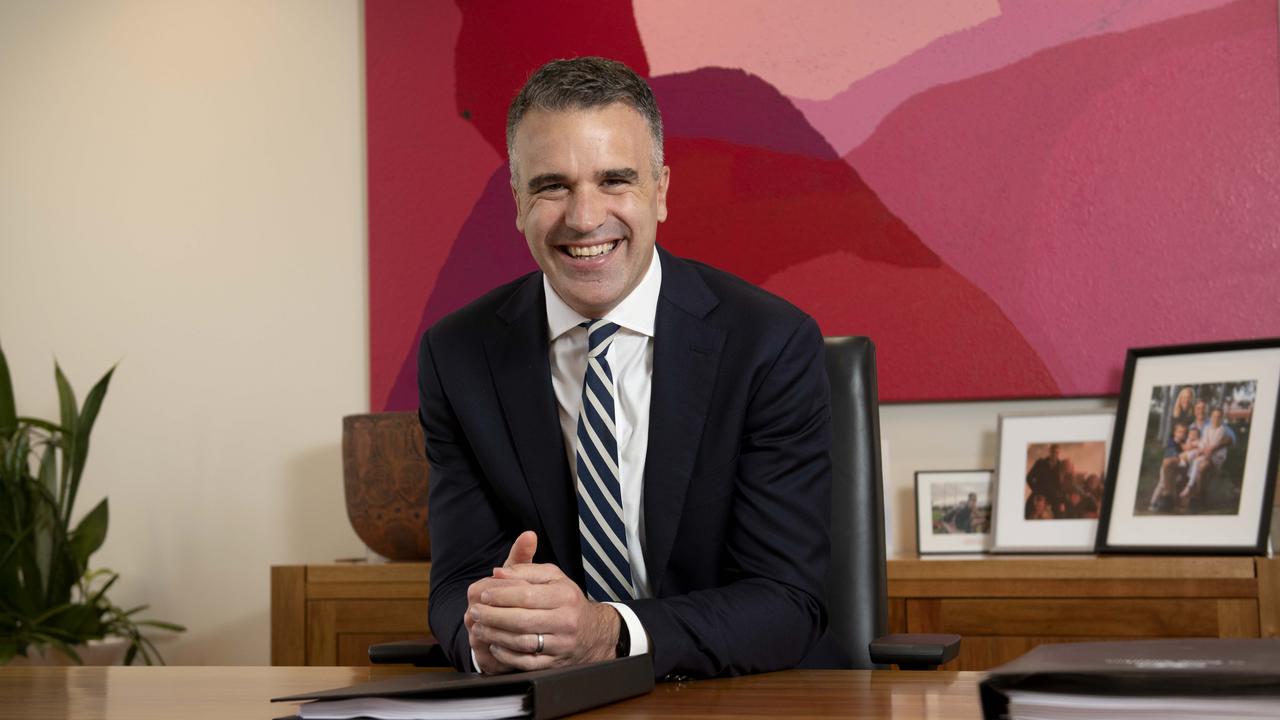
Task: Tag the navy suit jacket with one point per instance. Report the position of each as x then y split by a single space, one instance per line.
737 479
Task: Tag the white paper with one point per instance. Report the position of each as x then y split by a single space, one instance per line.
1025 705
481 708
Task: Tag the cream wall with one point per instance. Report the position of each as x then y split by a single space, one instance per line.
182 190
945 436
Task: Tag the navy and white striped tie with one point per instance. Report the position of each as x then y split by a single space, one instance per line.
602 534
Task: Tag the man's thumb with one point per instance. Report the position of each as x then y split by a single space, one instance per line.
522 549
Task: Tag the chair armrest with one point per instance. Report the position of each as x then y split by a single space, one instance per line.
422 653
914 652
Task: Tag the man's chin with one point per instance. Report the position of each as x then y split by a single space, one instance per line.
592 303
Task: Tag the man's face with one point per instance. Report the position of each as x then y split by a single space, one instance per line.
1215 418
587 201
1200 406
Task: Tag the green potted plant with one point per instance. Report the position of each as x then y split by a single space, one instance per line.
49 598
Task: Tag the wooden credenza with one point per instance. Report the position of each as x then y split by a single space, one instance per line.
331 614
1004 605
1001 605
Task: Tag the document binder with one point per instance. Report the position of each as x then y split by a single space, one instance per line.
550 693
1246 671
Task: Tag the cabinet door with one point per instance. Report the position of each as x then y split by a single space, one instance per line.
339 632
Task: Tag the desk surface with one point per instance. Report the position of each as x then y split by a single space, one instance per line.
194 693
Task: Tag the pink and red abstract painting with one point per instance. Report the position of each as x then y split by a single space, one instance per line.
1004 194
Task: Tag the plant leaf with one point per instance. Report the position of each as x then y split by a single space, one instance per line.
8 410
45 517
93 403
40 423
68 414
66 648
66 399
89 534
8 648
83 426
171 627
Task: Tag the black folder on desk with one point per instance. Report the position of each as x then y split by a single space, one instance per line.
545 693
1210 670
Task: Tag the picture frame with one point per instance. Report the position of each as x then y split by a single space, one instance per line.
1050 479
953 511
1172 490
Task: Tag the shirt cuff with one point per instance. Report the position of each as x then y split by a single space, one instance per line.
639 638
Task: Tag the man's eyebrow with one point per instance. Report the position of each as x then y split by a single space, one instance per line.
538 181
628 174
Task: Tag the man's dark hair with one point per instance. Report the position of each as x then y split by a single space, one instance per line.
581 83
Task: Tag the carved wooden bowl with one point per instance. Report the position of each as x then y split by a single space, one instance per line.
384 469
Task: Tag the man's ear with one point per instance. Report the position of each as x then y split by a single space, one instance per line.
515 195
664 181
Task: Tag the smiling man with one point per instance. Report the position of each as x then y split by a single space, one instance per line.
629 451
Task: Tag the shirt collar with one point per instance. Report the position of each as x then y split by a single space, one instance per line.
637 311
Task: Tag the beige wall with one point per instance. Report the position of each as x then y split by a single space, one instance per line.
182 190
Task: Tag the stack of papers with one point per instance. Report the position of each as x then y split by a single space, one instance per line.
477 708
1025 705
1167 679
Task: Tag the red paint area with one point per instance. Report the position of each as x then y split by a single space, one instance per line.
418 200
811 231
693 105
935 331
1114 192
1118 190
755 212
502 43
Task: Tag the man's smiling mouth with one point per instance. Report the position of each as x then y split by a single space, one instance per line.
589 251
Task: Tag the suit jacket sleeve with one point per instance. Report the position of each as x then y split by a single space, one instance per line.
769 610
467 537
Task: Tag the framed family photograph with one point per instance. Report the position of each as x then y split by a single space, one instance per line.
1193 466
953 511
1050 475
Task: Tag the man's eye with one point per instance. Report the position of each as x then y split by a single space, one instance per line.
553 187
615 182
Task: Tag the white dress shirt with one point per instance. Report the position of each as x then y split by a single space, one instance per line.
630 357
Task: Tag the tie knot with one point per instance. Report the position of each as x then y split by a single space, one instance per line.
599 335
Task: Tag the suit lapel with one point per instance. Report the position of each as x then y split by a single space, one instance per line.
686 356
519 363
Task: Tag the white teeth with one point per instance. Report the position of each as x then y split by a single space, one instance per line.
590 250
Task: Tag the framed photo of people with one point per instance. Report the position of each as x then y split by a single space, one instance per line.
1193 466
953 511
1050 475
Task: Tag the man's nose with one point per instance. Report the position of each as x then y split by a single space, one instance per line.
586 211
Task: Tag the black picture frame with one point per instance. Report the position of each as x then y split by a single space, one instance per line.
1165 528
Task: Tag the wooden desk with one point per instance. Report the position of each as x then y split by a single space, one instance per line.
219 693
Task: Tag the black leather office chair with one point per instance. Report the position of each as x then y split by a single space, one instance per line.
857 589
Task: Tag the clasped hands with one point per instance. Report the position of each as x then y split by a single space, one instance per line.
507 612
